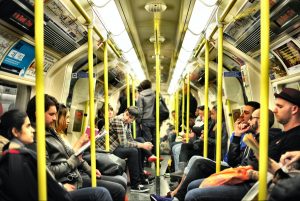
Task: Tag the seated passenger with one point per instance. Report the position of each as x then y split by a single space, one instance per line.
61 126
286 187
203 167
189 149
287 112
17 128
100 122
63 120
61 159
123 146
176 148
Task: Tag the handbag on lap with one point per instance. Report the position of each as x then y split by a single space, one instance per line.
229 176
108 163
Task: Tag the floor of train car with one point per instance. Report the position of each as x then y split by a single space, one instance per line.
160 186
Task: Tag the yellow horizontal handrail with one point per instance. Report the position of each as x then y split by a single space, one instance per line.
223 15
89 20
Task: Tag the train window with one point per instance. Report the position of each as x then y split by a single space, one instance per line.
8 94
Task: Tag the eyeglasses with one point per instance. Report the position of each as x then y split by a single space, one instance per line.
253 117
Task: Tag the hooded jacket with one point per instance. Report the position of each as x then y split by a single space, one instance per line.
146 105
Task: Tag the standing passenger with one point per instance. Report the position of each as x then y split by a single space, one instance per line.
146 105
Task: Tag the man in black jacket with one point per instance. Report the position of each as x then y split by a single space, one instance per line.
288 114
61 159
203 167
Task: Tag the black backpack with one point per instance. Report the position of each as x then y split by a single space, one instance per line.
18 178
163 110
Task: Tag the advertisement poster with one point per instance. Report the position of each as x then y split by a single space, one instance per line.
6 41
288 54
49 61
18 58
78 120
30 72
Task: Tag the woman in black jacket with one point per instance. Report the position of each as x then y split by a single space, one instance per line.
15 126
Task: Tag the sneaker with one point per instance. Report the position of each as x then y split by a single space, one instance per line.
147 182
154 197
153 158
139 189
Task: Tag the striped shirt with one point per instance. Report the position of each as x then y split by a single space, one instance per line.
119 134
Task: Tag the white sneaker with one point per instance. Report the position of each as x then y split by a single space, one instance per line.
139 189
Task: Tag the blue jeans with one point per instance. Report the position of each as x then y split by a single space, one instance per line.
90 194
176 151
225 192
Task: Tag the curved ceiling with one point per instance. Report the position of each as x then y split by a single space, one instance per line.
140 24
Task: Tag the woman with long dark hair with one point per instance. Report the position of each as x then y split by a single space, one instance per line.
16 127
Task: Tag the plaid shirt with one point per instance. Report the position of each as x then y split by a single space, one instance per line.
119 134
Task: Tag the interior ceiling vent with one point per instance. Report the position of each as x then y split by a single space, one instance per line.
59 40
155 7
251 41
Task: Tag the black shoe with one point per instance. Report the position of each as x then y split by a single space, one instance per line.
151 178
175 176
139 189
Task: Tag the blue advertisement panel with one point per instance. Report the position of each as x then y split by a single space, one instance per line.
18 58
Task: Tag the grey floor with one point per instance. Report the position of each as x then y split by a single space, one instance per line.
161 184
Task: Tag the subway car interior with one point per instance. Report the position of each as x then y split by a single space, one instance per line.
168 79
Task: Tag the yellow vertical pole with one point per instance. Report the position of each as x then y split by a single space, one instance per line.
219 99
40 99
177 113
92 104
133 103
157 73
205 147
188 108
182 106
127 89
264 99
106 116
